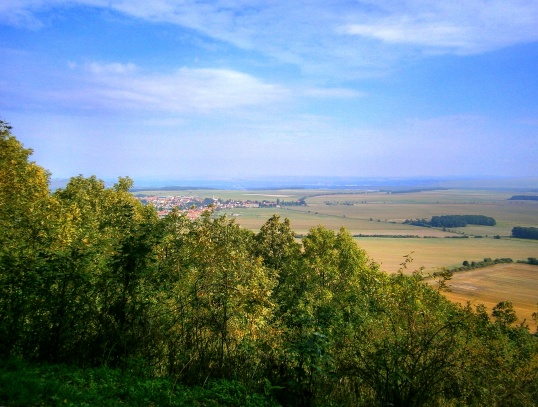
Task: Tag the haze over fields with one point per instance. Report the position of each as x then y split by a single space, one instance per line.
223 89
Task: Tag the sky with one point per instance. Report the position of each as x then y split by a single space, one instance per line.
195 89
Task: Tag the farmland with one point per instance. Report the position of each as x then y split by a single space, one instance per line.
373 214
378 217
436 253
513 282
198 298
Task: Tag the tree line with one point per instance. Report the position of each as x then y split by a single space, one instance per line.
523 198
91 277
453 221
525 232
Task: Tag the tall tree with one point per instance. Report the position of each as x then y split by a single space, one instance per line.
105 263
24 199
222 294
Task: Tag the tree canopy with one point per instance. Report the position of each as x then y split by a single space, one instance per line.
91 277
525 232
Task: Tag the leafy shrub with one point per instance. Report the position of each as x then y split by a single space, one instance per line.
23 384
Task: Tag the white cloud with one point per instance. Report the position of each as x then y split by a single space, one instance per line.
125 86
334 36
13 12
406 31
111 68
456 26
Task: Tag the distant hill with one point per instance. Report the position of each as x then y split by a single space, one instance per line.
170 188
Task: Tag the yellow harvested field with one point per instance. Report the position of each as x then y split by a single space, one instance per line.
269 195
514 282
433 254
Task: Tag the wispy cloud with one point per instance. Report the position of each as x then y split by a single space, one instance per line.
457 26
126 86
407 31
317 35
111 68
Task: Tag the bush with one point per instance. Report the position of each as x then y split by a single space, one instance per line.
25 384
533 260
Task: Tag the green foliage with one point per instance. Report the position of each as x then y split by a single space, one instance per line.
275 243
533 261
525 232
25 224
322 292
406 348
453 221
130 309
487 262
22 384
504 313
219 298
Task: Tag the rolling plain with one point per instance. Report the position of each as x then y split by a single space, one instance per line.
375 219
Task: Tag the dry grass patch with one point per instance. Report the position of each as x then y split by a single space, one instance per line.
437 253
514 282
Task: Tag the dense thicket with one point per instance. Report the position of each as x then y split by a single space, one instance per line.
90 277
525 232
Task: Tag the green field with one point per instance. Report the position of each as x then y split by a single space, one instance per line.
381 213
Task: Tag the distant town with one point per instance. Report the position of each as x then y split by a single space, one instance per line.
193 206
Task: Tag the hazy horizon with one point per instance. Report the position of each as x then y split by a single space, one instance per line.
312 183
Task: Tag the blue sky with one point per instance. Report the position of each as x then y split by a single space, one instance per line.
179 89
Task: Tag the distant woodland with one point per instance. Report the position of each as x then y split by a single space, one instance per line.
93 281
524 198
525 232
453 221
